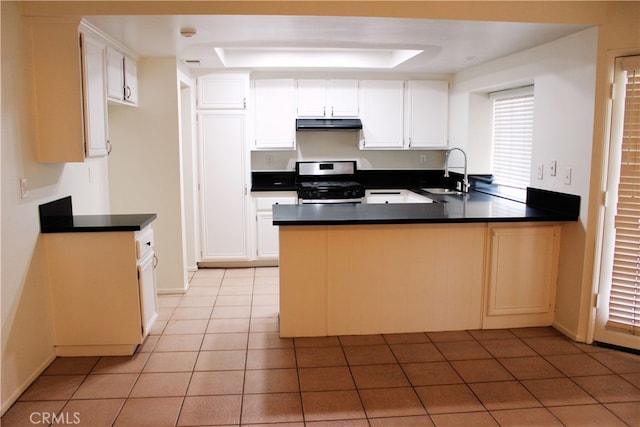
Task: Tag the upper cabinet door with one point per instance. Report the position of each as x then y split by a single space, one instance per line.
327 98
223 91
275 114
343 98
122 77
382 114
312 96
130 80
115 74
95 97
426 114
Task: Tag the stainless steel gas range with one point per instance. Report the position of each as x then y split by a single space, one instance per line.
323 182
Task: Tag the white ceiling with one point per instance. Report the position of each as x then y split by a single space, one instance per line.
444 46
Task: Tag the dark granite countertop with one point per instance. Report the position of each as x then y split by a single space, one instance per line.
57 217
474 206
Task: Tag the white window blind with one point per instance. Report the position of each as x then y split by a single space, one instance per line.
624 299
512 136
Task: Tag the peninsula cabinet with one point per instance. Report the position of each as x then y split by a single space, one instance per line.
522 264
382 114
228 91
327 98
426 112
69 84
103 290
223 184
274 114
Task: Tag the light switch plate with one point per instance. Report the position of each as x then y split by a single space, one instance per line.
553 168
540 171
24 188
567 176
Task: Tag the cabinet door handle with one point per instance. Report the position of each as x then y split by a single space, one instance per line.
155 261
244 103
127 92
108 147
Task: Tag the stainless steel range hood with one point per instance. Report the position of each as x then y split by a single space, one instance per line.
328 124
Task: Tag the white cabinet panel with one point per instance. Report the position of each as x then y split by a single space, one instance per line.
95 97
122 77
267 233
115 74
327 98
426 114
382 114
148 292
223 91
522 273
224 227
130 80
275 111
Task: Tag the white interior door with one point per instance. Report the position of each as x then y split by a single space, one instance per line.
618 308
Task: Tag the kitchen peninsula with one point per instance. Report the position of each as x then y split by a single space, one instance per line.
101 278
468 261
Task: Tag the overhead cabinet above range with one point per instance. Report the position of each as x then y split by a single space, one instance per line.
327 98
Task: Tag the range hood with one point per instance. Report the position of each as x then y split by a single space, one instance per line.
328 124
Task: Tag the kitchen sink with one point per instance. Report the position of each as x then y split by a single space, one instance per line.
394 196
442 191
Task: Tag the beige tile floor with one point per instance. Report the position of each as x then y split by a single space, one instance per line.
215 358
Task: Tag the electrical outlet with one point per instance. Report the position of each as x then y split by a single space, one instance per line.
24 189
567 176
541 171
423 159
553 168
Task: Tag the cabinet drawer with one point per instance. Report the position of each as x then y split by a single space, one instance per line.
144 242
265 203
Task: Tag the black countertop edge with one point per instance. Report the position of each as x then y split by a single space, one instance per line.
401 221
99 223
57 217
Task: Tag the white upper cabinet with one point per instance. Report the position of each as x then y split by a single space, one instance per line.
130 80
115 74
275 114
122 77
426 114
223 91
382 114
95 100
70 109
327 98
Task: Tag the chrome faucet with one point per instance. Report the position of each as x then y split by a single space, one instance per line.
464 186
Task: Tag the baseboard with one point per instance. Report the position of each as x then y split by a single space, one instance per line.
238 264
567 332
15 395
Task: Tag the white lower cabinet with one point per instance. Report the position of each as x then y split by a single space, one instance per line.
223 186
267 241
103 291
522 264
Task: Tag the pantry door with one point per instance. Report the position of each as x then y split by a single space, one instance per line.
618 306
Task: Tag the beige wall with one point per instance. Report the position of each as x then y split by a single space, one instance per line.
26 320
144 165
27 334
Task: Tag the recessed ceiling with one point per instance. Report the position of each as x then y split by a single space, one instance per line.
336 43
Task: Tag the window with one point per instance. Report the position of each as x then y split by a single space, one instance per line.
512 136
